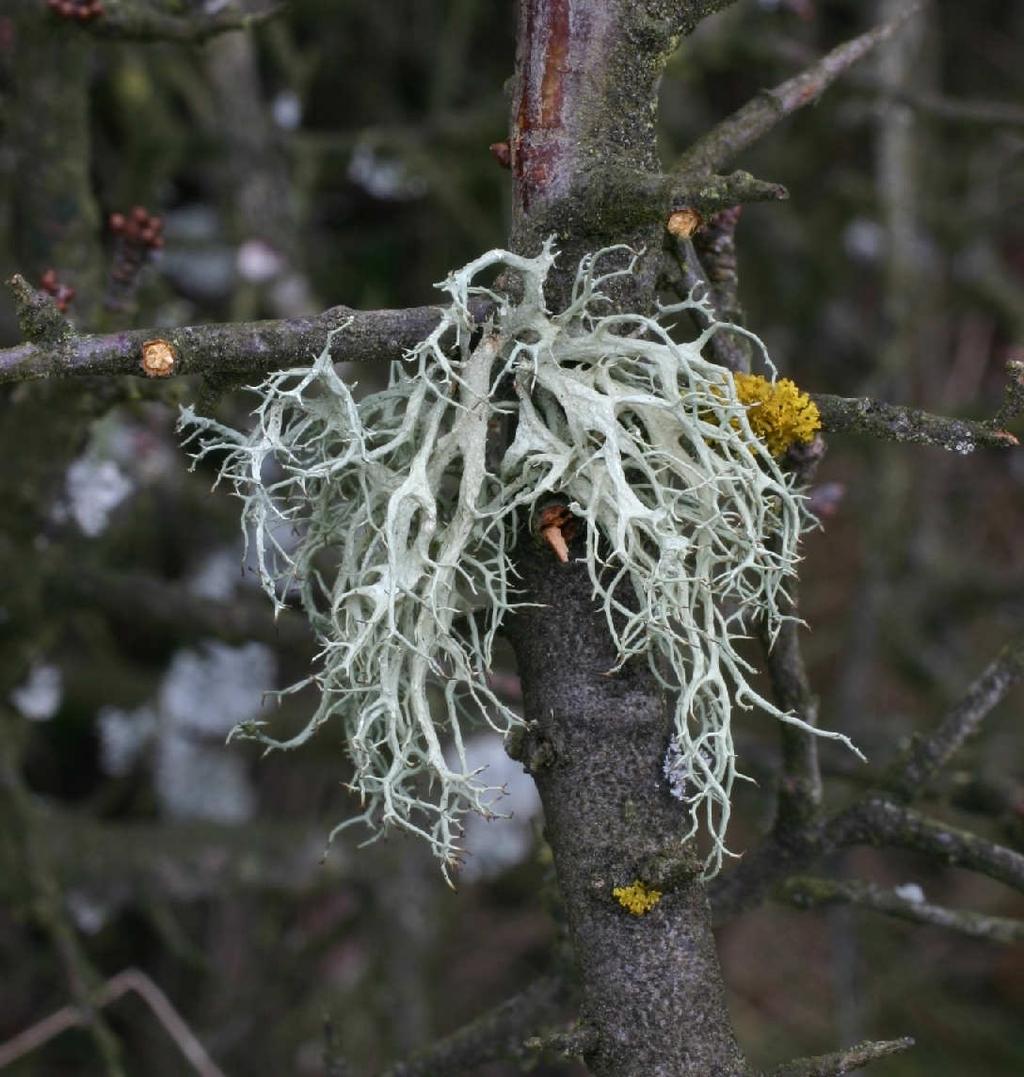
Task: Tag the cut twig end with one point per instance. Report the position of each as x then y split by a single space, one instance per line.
158 358
684 222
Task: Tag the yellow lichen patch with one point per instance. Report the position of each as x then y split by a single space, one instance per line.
637 898
778 412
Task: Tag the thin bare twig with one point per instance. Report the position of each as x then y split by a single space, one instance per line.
809 893
840 1062
927 754
881 822
497 1034
765 111
953 110
573 1041
72 1017
877 819
896 422
707 264
48 908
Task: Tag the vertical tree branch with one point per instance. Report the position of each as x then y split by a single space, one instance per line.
799 800
46 899
587 77
55 214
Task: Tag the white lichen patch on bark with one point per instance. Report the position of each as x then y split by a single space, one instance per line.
406 517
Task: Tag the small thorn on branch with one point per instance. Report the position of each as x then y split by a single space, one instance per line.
40 316
712 194
502 153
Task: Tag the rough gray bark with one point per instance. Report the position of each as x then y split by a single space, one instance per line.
584 108
652 986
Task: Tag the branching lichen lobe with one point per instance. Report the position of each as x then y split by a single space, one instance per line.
405 522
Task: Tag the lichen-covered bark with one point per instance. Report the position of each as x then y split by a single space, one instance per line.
582 117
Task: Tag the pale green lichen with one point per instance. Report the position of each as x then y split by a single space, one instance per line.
404 513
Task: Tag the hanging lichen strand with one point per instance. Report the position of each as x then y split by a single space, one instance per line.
400 520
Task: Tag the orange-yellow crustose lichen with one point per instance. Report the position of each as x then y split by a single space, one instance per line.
778 412
637 898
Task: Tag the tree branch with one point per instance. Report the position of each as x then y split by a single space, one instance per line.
927 754
163 20
809 893
987 113
840 1062
168 607
69 1017
896 422
232 349
800 792
46 899
125 863
765 111
499 1033
798 840
881 822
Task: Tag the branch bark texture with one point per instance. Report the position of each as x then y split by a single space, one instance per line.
652 991
226 349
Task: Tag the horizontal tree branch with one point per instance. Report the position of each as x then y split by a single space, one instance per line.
136 863
810 893
928 753
237 349
881 822
764 112
896 422
169 607
953 110
163 20
840 1062
500 1033
710 194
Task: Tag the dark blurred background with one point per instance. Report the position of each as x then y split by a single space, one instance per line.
340 155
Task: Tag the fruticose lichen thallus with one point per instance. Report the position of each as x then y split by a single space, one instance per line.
403 524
